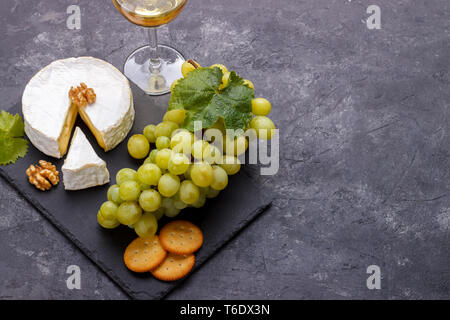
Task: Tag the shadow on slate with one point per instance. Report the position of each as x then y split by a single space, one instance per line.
75 212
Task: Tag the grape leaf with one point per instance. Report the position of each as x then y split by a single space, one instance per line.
200 96
11 125
12 146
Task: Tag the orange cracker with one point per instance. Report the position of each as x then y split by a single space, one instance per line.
181 237
174 267
143 255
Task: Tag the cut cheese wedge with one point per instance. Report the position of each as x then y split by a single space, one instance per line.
49 115
83 168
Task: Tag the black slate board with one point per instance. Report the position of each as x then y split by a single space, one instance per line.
74 212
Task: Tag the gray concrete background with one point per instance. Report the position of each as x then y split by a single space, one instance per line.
364 118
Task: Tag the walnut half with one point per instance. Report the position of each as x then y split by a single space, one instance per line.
82 95
43 176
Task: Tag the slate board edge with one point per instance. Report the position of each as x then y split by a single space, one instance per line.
125 288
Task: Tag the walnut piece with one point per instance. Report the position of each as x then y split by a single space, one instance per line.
82 95
47 165
43 176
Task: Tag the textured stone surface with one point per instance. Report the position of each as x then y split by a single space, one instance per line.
364 145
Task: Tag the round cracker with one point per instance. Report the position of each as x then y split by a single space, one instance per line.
174 267
144 254
181 237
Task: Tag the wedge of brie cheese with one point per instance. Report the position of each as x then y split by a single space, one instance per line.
49 115
83 168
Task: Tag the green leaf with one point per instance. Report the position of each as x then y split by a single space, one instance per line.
11 145
200 96
12 149
11 125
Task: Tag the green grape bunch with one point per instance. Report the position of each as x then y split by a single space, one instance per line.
178 169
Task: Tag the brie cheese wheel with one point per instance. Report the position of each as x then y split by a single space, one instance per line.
83 168
49 115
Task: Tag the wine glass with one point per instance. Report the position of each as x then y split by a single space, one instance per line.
153 67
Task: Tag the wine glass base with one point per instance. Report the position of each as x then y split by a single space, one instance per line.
137 69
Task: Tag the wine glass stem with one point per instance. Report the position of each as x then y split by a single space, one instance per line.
155 62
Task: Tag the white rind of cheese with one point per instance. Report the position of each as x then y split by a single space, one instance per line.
83 168
46 104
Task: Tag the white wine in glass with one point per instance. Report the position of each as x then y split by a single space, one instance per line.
153 67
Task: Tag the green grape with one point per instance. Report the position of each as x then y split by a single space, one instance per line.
187 174
212 193
235 147
215 155
200 202
182 141
108 210
152 155
261 107
231 165
125 174
177 116
113 194
105 223
178 164
165 129
147 160
203 190
149 174
201 149
146 226
228 145
220 66
202 174
188 66
250 134
169 207
174 132
109 192
149 133
249 84
225 79
172 212
162 142
150 200
180 205
240 145
189 192
214 136
220 178
167 203
129 213
158 213
144 186
138 146
130 190
162 158
168 185
177 202
262 125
